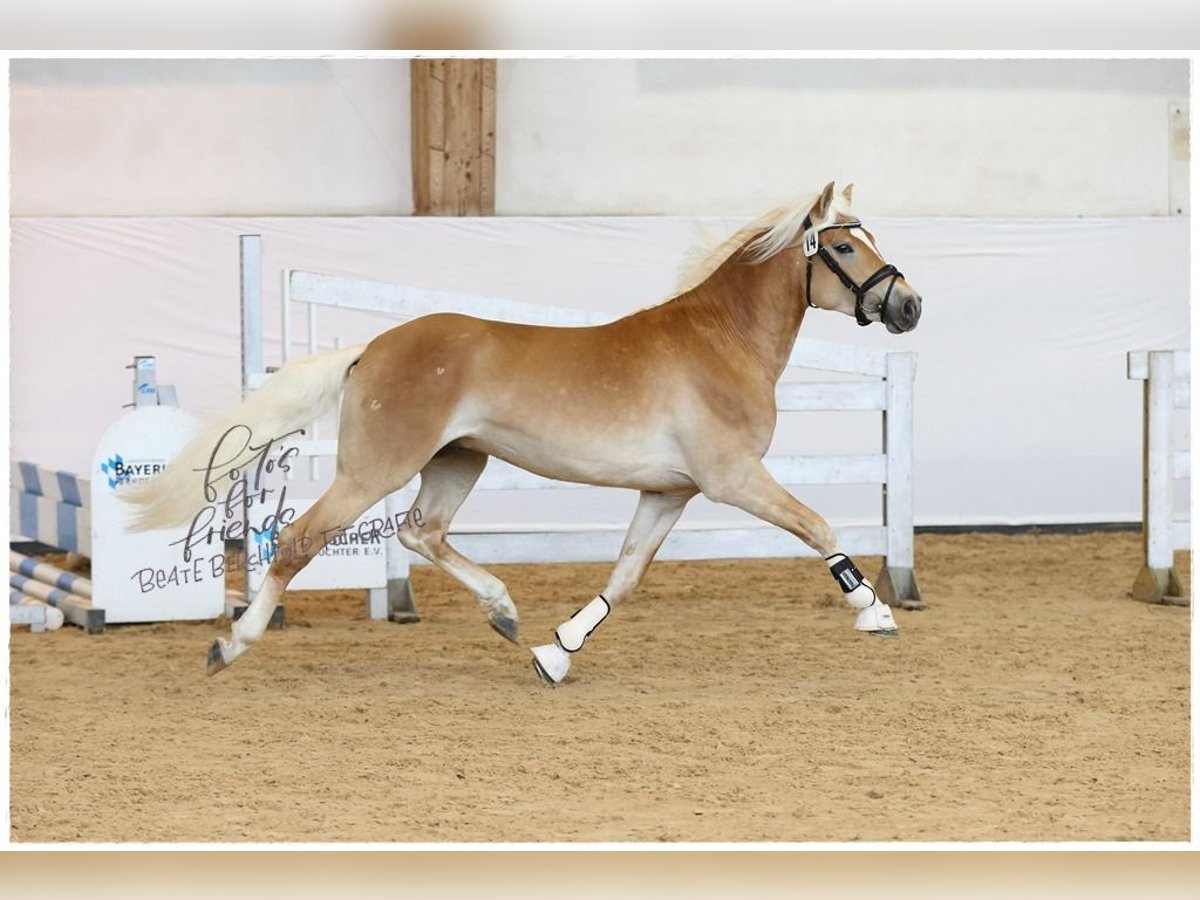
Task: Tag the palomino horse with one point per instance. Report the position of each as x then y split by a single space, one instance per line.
674 400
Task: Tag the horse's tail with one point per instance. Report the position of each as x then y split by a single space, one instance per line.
300 392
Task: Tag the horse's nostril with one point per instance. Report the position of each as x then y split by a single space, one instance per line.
911 310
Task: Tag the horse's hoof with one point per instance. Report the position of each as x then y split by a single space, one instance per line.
877 619
551 662
216 659
504 626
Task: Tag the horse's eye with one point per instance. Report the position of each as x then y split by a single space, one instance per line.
844 248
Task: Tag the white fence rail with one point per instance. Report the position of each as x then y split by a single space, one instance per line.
890 394
1166 389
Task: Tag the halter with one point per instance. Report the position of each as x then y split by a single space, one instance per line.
812 247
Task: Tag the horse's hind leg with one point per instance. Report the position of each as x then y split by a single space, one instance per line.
445 482
297 543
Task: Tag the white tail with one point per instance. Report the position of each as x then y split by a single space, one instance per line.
300 392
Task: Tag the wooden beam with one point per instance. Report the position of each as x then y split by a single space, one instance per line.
487 165
454 126
419 96
464 93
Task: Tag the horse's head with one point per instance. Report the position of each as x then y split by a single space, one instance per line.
844 270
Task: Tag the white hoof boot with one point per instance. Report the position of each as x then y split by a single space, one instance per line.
551 662
877 619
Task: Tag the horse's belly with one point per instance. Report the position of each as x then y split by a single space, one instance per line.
639 476
645 465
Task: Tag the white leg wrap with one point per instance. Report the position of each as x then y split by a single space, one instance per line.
553 661
859 592
572 633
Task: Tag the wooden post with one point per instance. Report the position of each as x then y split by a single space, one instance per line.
454 136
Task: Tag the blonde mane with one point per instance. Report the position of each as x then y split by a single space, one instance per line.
768 235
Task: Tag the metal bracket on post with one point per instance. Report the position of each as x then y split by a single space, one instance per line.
395 602
898 587
1159 586
897 582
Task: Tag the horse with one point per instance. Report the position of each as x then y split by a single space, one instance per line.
673 400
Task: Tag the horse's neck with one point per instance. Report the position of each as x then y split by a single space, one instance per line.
756 309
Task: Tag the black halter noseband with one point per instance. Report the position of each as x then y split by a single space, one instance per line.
812 247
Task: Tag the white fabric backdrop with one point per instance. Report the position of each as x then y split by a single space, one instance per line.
1023 411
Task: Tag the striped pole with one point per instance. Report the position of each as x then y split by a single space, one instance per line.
37 614
48 574
77 610
42 591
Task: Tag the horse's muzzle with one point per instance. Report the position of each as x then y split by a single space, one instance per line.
903 311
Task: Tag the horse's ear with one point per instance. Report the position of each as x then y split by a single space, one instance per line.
823 205
846 192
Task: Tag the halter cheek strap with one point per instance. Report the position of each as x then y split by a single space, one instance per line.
812 247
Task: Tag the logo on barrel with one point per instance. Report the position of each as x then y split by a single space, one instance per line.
118 472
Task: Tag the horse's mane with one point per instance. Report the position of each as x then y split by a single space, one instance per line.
768 235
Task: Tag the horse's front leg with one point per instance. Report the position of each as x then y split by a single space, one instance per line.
656 515
752 488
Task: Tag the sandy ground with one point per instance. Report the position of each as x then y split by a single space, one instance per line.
730 701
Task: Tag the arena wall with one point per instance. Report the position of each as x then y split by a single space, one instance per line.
918 137
1066 137
212 137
